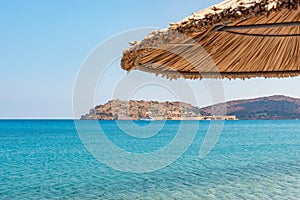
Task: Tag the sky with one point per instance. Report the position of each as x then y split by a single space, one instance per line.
45 43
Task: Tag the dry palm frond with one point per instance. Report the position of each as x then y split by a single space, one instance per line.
204 46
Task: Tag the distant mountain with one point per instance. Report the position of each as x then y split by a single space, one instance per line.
136 110
266 108
273 107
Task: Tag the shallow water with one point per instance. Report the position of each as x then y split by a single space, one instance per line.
251 160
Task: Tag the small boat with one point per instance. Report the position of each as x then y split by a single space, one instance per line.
147 119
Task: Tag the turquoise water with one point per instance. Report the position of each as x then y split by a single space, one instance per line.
251 160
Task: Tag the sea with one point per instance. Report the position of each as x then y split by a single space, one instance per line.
67 159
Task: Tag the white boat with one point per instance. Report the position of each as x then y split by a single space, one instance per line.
147 119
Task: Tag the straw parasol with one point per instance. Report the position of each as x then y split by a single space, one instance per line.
244 38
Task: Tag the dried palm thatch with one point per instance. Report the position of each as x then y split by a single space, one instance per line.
243 38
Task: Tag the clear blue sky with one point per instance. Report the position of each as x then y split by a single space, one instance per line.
43 44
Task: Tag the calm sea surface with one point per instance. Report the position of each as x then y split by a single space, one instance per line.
251 160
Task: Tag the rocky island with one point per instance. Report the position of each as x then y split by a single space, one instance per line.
275 107
148 110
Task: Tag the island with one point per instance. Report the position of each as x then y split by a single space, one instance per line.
149 110
276 107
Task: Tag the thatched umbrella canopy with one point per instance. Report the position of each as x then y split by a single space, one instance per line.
244 38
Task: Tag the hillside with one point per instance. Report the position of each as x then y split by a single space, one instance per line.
135 110
266 108
273 107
